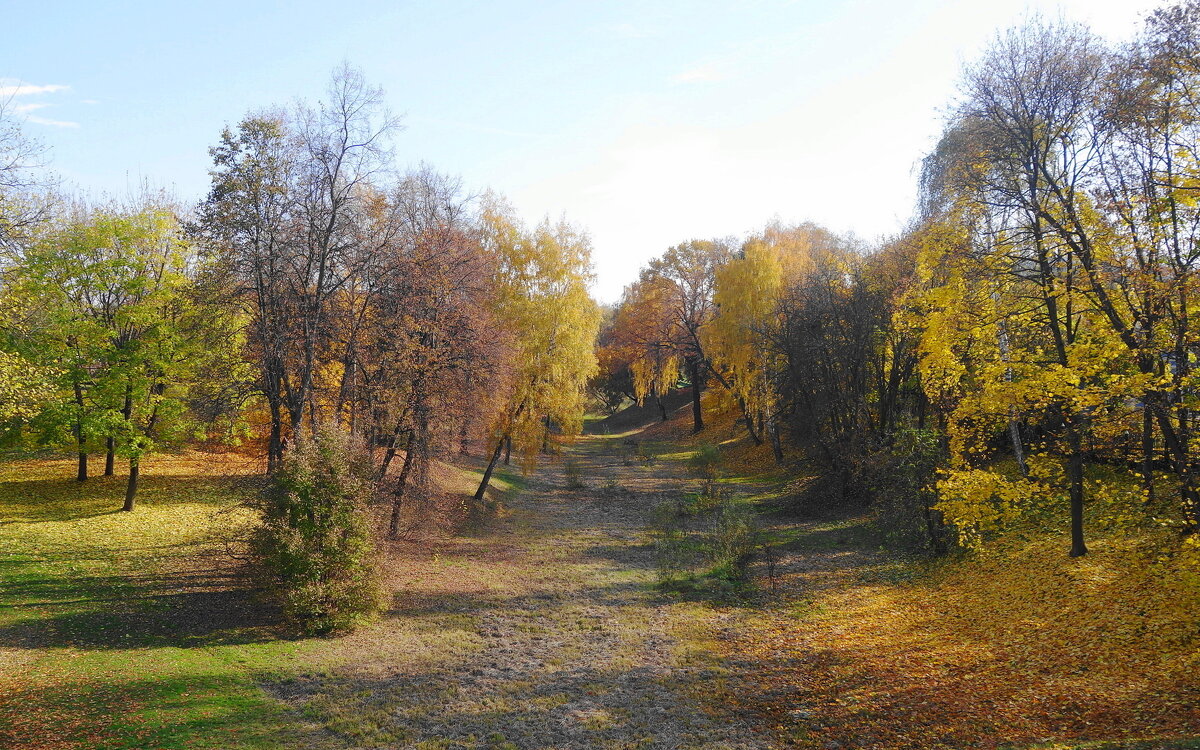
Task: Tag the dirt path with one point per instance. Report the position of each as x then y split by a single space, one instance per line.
563 641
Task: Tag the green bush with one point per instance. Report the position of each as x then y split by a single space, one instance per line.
706 461
900 479
314 541
703 541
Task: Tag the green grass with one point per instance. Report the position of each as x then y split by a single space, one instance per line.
131 630
140 630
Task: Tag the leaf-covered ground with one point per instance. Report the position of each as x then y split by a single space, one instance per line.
1017 646
542 627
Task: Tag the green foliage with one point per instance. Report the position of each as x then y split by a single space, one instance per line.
703 541
315 537
25 388
901 479
106 337
706 462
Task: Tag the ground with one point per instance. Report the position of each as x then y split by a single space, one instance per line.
541 626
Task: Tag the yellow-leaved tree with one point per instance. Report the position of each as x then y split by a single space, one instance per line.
541 299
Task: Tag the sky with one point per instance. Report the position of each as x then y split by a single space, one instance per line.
645 123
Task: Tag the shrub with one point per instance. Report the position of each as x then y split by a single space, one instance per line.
574 476
706 462
702 541
314 541
730 540
673 555
711 497
900 479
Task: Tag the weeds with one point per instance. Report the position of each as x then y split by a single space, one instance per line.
706 462
703 542
574 476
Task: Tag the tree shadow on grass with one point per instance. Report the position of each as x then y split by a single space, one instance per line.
184 610
209 711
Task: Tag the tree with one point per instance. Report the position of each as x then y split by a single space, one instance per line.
21 208
107 291
662 316
432 352
541 298
290 197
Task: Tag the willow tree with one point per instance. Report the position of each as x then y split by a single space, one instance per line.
541 299
743 336
746 296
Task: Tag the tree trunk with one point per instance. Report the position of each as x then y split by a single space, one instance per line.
80 438
662 408
507 449
391 451
132 486
1075 490
1147 455
776 443
546 435
750 422
111 443
697 416
275 443
1014 436
398 499
487 474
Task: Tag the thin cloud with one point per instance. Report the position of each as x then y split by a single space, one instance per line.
53 123
9 87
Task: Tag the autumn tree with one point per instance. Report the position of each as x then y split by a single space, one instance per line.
541 299
661 320
288 198
432 350
1147 137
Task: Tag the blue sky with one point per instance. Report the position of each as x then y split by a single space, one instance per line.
647 123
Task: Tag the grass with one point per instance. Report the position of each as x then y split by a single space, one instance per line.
129 629
1016 644
139 630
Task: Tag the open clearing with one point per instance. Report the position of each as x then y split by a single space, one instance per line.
542 628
